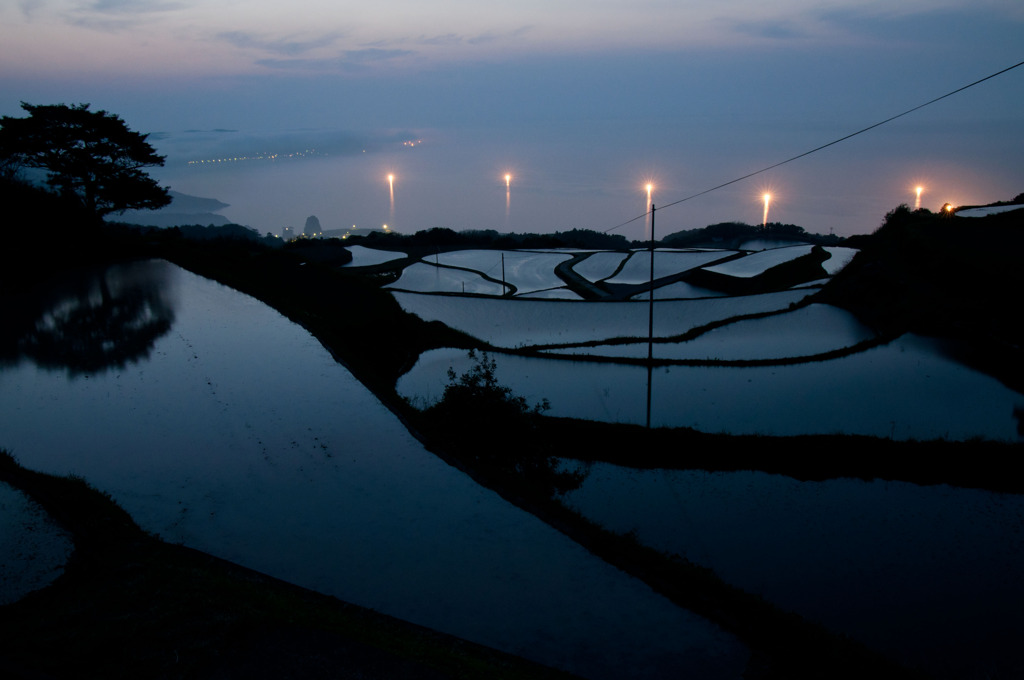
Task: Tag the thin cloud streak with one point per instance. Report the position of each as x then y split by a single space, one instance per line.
285 46
29 8
347 61
485 38
117 16
132 6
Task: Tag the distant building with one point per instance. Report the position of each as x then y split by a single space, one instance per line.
312 229
288 234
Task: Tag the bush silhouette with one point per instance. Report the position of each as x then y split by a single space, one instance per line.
497 431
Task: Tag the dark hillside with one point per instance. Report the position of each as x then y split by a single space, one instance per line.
732 235
944 276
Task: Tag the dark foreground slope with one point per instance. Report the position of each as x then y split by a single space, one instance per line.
131 606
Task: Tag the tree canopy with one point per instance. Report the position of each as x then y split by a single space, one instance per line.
91 156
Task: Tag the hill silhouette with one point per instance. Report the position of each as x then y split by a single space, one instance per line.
183 209
945 276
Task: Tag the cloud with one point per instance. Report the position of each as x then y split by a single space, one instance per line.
491 36
372 54
131 6
29 8
114 16
104 25
444 39
771 30
349 60
484 38
283 46
889 24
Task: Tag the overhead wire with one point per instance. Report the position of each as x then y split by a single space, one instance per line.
823 146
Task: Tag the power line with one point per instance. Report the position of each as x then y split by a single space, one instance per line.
823 146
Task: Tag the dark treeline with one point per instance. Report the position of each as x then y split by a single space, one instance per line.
449 239
731 235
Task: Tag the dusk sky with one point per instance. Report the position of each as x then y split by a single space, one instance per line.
581 101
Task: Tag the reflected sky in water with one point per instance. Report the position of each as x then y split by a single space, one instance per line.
928 574
91 320
908 389
239 435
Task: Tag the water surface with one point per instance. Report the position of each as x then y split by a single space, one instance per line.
927 574
235 432
33 549
908 389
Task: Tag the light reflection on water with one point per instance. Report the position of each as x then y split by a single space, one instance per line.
236 433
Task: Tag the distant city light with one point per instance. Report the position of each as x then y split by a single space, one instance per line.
508 180
767 201
263 156
918 190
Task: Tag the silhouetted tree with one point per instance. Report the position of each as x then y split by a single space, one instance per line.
496 431
91 156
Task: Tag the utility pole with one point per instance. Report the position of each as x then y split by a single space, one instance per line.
650 326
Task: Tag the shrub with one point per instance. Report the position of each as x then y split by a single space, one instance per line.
477 391
497 431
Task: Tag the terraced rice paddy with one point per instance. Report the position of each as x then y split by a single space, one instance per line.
770 363
911 571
